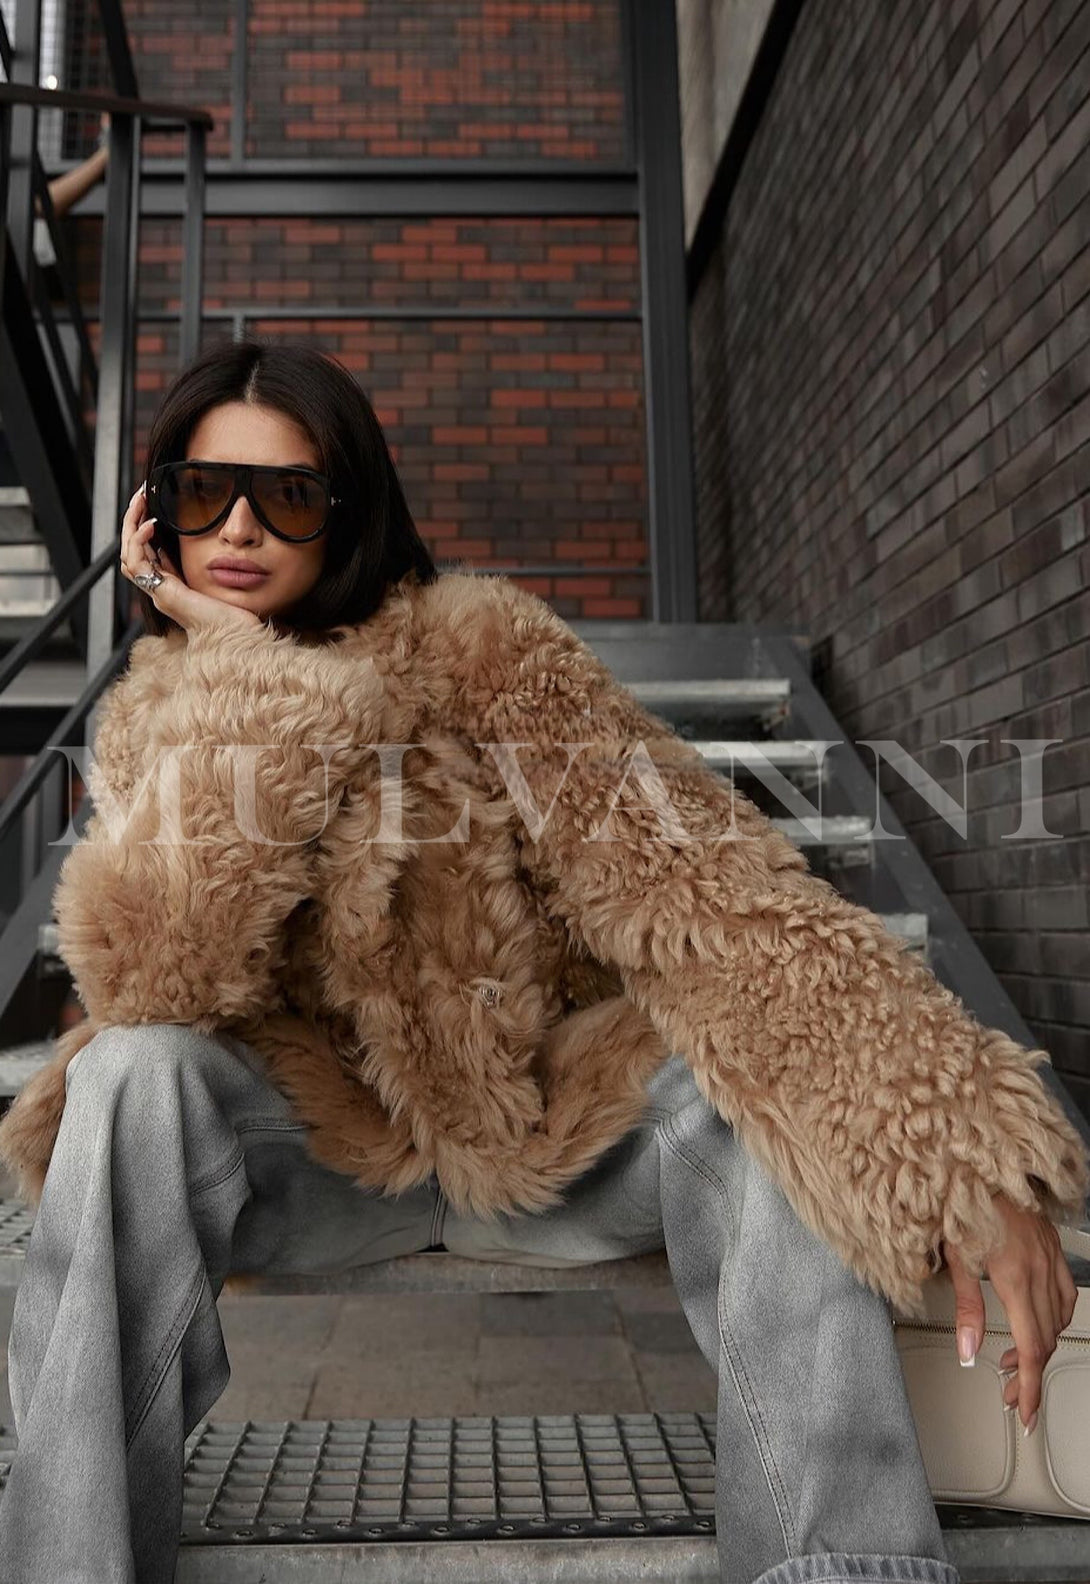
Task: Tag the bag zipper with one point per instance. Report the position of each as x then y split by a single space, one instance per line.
920 1325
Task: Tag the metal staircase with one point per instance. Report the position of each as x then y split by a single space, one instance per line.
67 418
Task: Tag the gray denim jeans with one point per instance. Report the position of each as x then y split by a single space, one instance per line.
178 1161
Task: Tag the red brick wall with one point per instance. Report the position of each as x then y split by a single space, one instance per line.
358 79
892 368
520 441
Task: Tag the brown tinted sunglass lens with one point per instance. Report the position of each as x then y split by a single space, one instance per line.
294 503
193 496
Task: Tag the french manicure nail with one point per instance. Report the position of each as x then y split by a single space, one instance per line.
966 1346
1029 1429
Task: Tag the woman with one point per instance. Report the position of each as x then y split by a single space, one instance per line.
370 1024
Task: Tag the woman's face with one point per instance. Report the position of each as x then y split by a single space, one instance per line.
241 432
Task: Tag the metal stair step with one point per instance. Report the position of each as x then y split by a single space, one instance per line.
60 683
579 1497
28 584
726 697
547 1476
746 755
834 830
24 558
54 684
17 522
19 1063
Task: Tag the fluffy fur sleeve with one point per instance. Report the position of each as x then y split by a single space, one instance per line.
180 919
887 1113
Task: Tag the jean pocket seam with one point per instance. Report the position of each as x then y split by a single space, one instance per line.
171 1343
220 1174
748 1399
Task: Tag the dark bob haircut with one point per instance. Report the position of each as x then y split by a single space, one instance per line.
371 541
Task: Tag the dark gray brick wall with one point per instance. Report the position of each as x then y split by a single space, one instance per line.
891 364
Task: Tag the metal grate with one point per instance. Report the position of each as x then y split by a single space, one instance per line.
543 1477
16 1225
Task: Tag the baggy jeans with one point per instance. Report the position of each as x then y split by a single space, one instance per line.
177 1162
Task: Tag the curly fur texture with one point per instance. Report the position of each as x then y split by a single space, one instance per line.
491 1008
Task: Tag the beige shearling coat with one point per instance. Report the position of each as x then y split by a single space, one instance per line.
484 991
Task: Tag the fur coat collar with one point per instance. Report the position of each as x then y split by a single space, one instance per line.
480 983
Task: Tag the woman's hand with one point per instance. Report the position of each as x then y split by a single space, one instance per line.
173 596
1034 1284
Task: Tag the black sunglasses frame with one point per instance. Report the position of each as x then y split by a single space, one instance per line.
243 485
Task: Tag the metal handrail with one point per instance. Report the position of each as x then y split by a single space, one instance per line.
112 384
152 111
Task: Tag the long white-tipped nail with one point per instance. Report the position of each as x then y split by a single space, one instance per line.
966 1346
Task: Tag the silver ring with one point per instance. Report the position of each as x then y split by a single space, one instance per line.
147 580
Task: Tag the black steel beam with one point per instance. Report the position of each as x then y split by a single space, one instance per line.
113 428
189 340
672 522
239 86
23 135
301 187
119 54
153 112
482 312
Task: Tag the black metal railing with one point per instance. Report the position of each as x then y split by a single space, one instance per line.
77 475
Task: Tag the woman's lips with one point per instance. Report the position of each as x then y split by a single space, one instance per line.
230 577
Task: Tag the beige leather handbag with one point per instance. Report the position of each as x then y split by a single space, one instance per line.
975 1453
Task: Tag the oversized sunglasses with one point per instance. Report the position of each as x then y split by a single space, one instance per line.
193 497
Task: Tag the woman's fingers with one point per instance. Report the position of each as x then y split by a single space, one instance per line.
1028 1304
136 532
